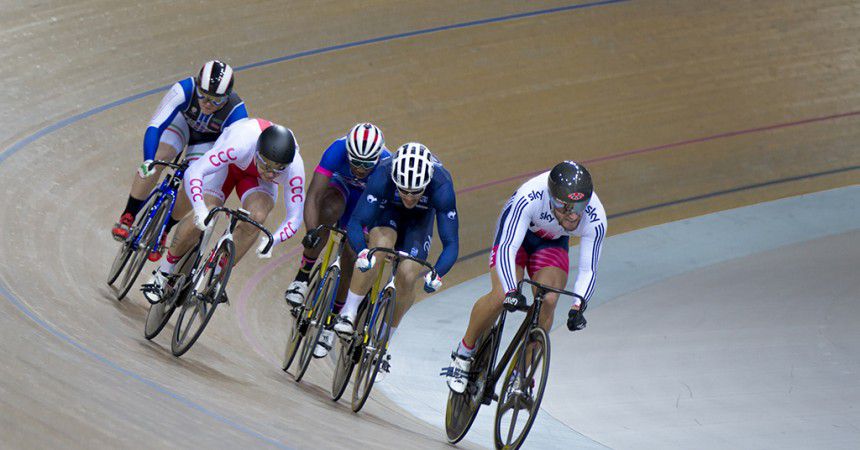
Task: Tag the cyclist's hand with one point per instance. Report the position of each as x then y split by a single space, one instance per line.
200 221
144 171
311 240
263 242
431 283
514 301
362 262
575 320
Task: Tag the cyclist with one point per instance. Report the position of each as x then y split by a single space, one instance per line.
335 188
532 233
398 206
254 156
193 113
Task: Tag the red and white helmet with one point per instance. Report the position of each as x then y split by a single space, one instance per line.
364 143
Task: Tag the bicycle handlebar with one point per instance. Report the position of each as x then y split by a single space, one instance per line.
401 256
333 229
182 165
543 289
243 216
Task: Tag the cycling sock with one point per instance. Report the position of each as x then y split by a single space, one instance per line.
350 308
465 350
132 206
305 271
168 263
170 223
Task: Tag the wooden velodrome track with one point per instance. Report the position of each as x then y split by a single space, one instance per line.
679 108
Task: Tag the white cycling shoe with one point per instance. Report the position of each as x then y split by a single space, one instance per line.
296 292
458 373
153 290
324 345
345 325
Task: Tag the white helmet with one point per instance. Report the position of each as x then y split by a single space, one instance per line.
364 143
412 169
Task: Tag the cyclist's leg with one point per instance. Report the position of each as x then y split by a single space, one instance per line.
549 265
486 309
414 240
377 237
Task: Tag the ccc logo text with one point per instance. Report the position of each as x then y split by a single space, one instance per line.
196 189
222 157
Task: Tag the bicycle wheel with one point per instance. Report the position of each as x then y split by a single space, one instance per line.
347 356
300 320
159 313
148 240
199 306
461 409
522 390
373 352
320 310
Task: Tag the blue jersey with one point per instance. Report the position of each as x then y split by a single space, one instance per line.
181 99
381 197
335 164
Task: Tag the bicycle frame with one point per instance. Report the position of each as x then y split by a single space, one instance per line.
169 188
327 253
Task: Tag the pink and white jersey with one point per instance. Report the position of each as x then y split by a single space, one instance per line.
236 149
529 209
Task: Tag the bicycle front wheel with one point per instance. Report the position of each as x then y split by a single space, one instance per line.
320 310
300 320
347 356
159 313
522 390
148 240
374 350
461 409
199 306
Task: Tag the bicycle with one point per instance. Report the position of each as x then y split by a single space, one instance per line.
368 347
146 232
315 314
206 283
525 365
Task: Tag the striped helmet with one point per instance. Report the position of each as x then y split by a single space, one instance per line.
364 143
412 169
215 79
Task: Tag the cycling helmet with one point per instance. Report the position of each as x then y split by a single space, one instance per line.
364 143
412 168
215 79
570 183
277 144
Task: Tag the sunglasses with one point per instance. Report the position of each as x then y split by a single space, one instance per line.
568 208
365 165
415 193
268 166
214 100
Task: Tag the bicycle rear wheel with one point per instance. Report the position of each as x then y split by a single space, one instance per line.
522 390
148 240
373 351
199 306
300 320
159 313
320 310
462 409
347 356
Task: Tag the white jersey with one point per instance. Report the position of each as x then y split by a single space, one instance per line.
237 147
529 209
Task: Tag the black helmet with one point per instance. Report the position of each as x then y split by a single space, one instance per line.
277 144
569 182
215 79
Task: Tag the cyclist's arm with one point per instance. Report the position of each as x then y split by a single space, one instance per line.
590 247
514 224
366 210
175 100
319 183
448 223
294 199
